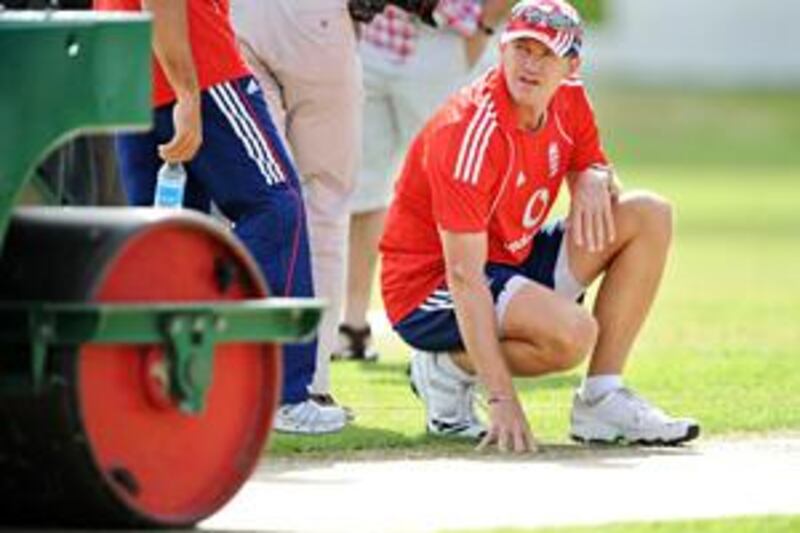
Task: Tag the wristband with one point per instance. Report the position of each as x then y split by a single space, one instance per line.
498 399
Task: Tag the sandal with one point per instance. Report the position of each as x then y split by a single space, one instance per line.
355 343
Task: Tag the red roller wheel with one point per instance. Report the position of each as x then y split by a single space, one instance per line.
153 464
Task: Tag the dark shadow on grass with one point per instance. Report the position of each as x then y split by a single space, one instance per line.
384 445
396 447
579 455
354 438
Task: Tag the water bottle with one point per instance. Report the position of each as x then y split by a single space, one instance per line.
170 184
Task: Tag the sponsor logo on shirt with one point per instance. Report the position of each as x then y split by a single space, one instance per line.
536 208
532 217
519 244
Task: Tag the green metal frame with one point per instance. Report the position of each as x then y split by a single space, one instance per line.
62 73
190 331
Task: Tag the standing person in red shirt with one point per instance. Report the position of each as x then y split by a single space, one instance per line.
210 114
482 290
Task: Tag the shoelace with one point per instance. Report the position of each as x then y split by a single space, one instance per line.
304 413
307 413
644 409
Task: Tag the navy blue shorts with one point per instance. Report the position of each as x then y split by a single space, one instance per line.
432 326
244 168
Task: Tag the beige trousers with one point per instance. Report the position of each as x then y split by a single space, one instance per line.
304 54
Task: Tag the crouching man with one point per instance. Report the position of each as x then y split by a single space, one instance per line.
482 289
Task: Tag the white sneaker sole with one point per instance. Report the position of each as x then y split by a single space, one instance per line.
596 433
320 429
465 431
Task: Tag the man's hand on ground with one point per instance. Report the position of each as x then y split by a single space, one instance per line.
591 220
508 427
188 131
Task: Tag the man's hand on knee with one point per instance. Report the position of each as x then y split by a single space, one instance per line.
591 220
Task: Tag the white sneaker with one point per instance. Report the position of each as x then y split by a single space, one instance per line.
622 416
449 398
326 399
310 418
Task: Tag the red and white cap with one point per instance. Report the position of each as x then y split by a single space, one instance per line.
554 23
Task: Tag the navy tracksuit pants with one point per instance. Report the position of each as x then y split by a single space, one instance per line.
243 167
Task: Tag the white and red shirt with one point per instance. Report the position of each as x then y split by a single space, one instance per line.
214 49
473 169
394 31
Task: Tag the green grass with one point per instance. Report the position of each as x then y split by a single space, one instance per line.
592 11
766 524
723 340
689 129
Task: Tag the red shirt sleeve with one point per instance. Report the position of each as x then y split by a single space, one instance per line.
464 166
588 149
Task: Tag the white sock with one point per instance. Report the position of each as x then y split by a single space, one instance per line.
595 387
445 361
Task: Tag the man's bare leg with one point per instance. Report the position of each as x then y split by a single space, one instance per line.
365 233
542 332
633 267
605 410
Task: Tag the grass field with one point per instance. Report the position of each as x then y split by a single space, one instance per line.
772 524
723 341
